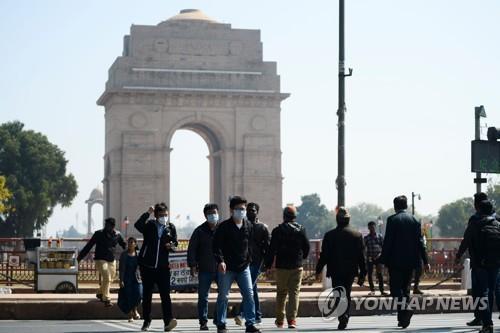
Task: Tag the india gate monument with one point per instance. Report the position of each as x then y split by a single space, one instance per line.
192 72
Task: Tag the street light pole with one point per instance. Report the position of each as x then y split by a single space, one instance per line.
341 182
413 195
478 113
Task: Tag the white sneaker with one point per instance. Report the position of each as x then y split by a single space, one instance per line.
238 320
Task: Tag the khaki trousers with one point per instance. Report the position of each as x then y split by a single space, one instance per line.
107 271
287 283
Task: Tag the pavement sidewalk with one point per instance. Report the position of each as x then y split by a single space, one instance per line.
45 306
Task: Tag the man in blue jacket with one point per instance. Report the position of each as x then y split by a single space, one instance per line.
402 251
160 238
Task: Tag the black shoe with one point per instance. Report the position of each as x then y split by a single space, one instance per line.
384 293
475 322
145 326
98 296
252 329
399 324
486 329
204 327
221 329
342 323
171 325
417 291
406 319
107 303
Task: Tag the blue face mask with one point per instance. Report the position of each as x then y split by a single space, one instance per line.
212 218
239 214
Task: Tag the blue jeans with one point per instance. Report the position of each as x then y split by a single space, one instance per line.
244 281
486 280
254 273
205 280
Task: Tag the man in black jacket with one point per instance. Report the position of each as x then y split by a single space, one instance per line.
259 243
482 238
160 238
105 242
343 253
464 246
201 259
290 246
232 253
402 251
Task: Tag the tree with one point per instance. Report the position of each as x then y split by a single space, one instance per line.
494 194
363 213
314 216
35 170
4 195
453 217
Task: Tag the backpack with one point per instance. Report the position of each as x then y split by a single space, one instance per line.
489 238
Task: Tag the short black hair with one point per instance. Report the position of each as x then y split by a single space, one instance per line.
236 200
209 206
161 207
110 220
478 197
132 239
371 223
400 202
485 207
343 217
253 204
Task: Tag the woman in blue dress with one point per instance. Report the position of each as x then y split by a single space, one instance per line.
130 295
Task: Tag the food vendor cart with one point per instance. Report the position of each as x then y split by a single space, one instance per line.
56 270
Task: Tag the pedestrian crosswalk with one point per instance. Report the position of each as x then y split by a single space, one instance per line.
431 323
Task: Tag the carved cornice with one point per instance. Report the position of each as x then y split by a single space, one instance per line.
193 99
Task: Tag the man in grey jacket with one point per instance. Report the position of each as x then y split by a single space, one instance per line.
201 260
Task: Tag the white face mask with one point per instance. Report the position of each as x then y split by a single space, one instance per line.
239 214
212 218
163 219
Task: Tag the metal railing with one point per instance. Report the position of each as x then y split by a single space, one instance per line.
441 253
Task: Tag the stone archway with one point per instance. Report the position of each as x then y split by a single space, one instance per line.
190 72
96 197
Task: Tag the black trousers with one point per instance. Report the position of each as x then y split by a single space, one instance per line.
161 277
399 282
346 282
374 263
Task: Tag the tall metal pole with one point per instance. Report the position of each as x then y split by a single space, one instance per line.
412 203
341 112
477 114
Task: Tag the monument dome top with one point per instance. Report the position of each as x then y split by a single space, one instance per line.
96 194
191 15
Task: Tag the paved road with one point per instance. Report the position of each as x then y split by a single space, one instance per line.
372 324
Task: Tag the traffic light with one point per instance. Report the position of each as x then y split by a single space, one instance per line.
493 133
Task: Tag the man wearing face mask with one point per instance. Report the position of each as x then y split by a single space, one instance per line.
259 243
232 253
160 238
201 259
105 242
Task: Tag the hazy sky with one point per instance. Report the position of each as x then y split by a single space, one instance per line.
420 67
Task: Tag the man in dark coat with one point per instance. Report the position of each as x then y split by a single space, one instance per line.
105 242
290 246
201 260
259 244
342 251
464 246
402 251
160 238
482 238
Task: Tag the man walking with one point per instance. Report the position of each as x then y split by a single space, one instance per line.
160 238
201 260
259 244
105 242
232 253
342 251
402 251
290 246
373 243
482 238
464 246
